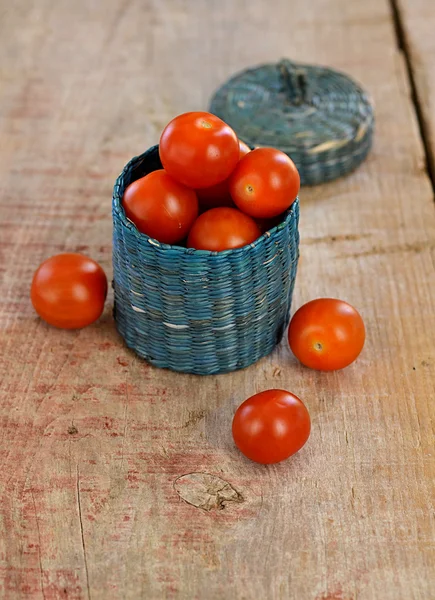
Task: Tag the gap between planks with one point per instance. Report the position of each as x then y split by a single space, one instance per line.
404 47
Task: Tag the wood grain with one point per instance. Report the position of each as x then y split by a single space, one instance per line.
94 441
416 22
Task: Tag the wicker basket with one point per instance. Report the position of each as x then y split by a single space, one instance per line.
318 116
198 311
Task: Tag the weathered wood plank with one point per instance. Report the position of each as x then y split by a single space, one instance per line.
416 23
93 440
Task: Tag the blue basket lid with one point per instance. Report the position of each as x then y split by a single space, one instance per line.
318 116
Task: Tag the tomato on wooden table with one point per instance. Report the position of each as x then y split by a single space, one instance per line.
69 291
326 334
265 183
161 207
271 426
221 229
219 194
198 149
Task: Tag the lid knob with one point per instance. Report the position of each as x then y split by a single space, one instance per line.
295 82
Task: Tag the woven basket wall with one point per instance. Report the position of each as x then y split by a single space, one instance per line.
198 311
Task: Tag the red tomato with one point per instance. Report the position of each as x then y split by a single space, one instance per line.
268 224
198 149
161 207
69 290
271 426
219 194
326 334
221 229
243 149
215 196
265 183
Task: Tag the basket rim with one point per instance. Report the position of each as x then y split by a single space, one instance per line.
117 206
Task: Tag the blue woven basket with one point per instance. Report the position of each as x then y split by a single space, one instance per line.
318 116
198 311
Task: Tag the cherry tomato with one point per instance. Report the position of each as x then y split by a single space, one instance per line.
243 149
326 334
264 183
69 290
215 196
161 207
219 194
271 426
221 229
268 224
198 149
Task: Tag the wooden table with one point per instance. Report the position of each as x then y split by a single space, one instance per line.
93 440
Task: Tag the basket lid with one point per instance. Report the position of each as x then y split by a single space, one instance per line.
318 116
